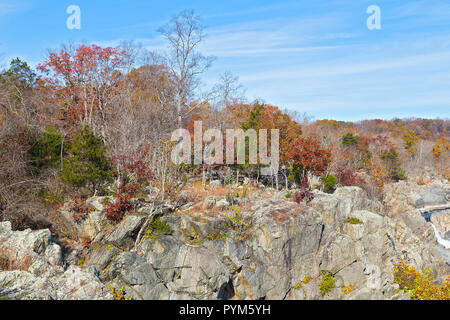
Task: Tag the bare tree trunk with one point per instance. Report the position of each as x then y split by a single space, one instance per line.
272 176
180 124
163 191
203 177
276 180
144 227
286 180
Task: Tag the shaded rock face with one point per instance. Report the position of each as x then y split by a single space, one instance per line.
274 249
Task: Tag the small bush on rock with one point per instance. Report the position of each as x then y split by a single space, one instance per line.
348 177
329 182
327 283
238 223
157 228
119 294
347 289
353 221
116 210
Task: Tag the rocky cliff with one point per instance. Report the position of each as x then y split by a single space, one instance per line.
265 246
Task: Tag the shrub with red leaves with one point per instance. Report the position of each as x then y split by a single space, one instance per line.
80 210
116 210
134 174
348 177
304 195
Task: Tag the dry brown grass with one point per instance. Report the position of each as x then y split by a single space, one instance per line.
10 261
422 181
199 193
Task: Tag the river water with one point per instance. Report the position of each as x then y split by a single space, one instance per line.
444 242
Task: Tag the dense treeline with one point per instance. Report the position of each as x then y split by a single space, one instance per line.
93 120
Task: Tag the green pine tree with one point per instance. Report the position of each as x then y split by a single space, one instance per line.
87 163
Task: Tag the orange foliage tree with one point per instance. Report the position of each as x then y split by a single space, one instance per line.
306 155
81 82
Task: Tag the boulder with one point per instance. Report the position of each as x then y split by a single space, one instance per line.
124 234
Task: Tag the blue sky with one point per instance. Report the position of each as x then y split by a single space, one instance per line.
317 57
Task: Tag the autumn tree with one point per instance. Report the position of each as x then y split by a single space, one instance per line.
441 147
82 82
143 114
224 94
410 139
264 116
355 153
307 156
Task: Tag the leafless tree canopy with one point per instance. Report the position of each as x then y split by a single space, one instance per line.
184 34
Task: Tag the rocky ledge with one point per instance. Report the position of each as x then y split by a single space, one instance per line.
264 247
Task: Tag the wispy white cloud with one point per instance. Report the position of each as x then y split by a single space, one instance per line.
260 38
273 37
279 6
418 8
266 51
332 70
327 63
8 7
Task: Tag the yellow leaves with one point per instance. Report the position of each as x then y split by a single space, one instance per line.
306 279
119 294
442 146
405 275
379 176
420 286
410 141
298 286
347 289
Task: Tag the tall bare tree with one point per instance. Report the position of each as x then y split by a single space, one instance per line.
185 34
228 91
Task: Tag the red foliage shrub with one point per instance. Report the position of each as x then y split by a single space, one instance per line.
134 175
135 169
348 177
116 210
80 210
304 195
